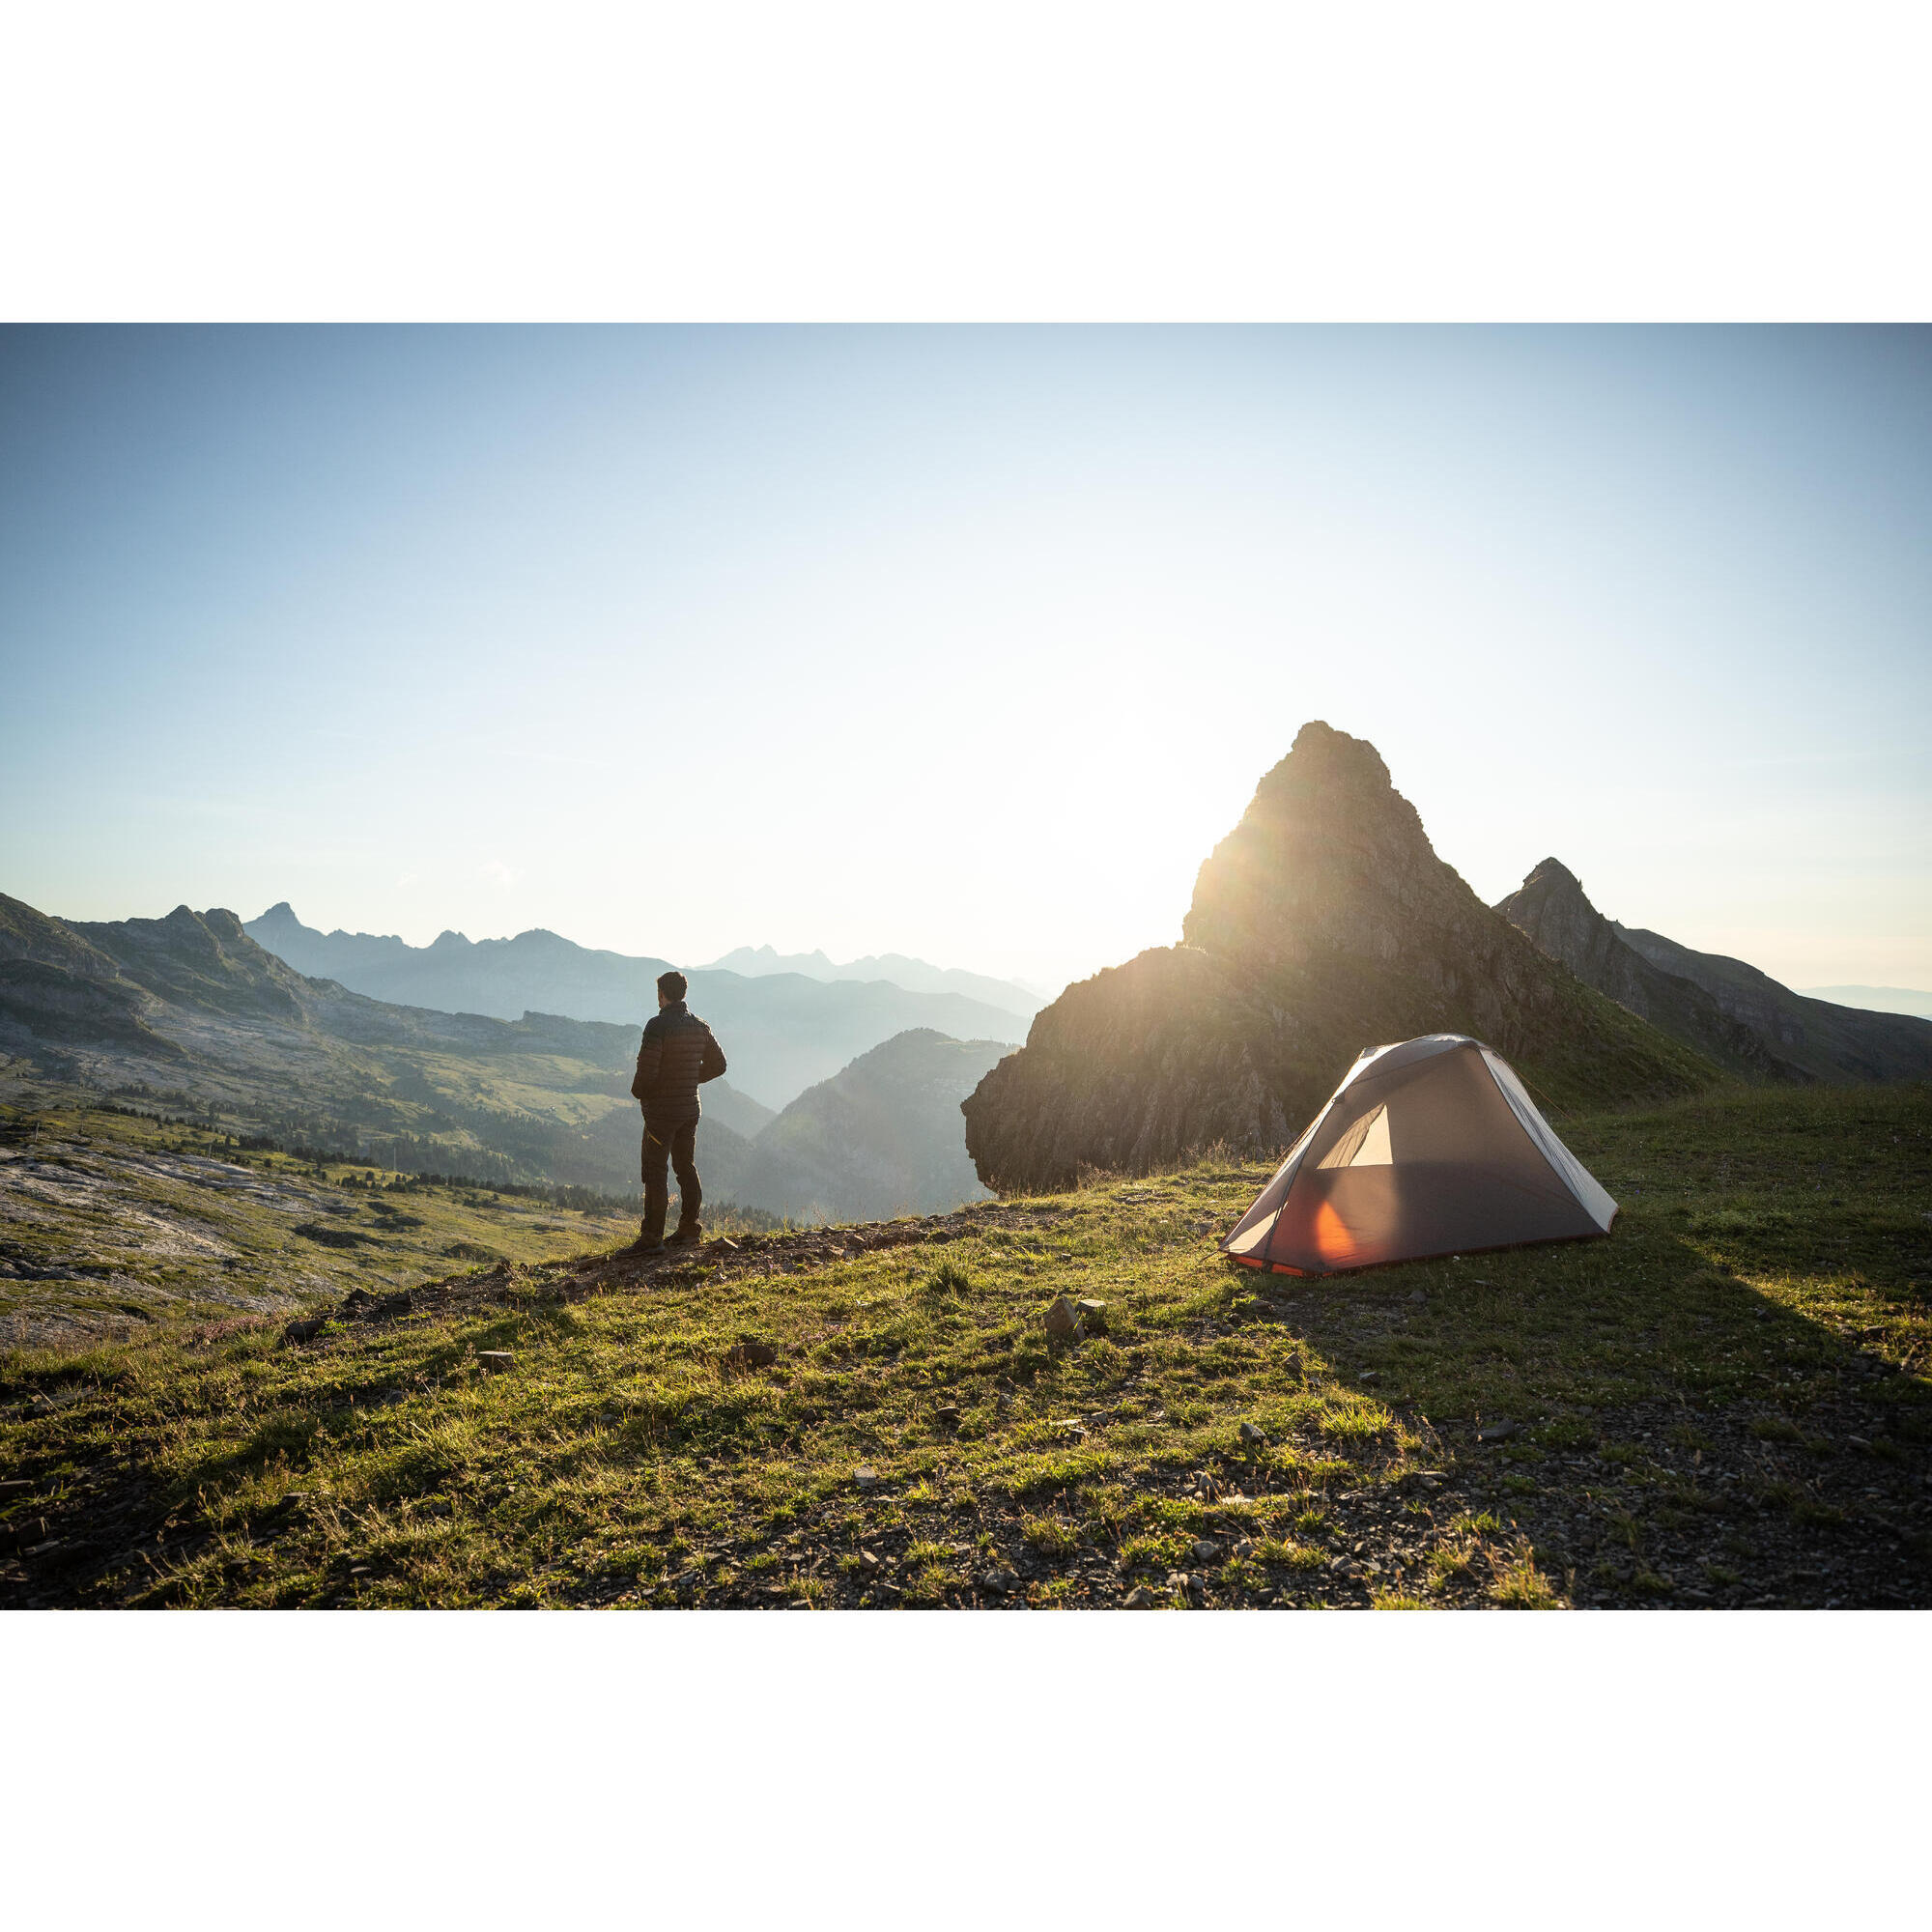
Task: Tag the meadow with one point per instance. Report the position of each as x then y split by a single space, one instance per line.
1726 1403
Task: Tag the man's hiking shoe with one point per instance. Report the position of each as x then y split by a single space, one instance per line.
688 1238
645 1245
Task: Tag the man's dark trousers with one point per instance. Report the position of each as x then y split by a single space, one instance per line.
677 1145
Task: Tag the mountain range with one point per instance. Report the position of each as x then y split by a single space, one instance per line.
1326 923
1736 1015
1322 924
782 1032
188 1012
756 962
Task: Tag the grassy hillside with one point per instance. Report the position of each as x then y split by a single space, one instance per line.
1724 1403
117 1224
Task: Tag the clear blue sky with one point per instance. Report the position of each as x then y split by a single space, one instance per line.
965 643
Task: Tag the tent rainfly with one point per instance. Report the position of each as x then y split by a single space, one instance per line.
1429 1147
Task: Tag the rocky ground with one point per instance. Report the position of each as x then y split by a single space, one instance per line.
115 1226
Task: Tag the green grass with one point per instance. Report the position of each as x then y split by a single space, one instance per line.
148 1226
1685 1395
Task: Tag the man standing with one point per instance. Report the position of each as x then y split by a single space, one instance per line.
678 1054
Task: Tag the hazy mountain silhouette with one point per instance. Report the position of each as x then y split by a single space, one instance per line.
882 1137
1551 907
913 974
1321 925
781 1033
1781 1034
1875 999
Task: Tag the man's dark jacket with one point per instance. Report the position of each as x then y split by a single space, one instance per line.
677 1056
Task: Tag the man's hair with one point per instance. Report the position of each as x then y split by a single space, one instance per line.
673 986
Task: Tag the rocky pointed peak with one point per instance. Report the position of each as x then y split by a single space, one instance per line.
1553 908
1553 875
1327 857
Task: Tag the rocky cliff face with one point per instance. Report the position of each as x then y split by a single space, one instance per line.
1551 908
1322 924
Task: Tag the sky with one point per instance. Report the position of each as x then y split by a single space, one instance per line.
964 643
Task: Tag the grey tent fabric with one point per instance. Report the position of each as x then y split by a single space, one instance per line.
1430 1147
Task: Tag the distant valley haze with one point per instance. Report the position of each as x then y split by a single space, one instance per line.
785 1031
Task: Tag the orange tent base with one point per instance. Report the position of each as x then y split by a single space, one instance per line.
1409 1260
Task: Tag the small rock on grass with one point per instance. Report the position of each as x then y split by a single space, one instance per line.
1245 1548
1206 1550
1252 1437
999 1581
1496 1432
1063 1320
1140 1598
1092 1317
304 1331
867 1479
494 1361
750 1355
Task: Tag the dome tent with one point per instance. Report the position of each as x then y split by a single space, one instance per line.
1429 1148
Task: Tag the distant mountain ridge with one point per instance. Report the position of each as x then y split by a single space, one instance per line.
189 1006
916 976
190 1011
781 1032
1875 999
1718 1006
1551 907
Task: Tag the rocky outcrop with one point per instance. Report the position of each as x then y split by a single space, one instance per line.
1742 1018
1321 925
1551 907
202 960
57 988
